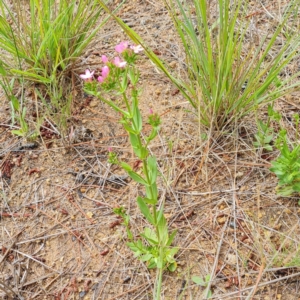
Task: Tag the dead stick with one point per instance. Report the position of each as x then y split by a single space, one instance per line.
216 261
110 271
12 245
129 291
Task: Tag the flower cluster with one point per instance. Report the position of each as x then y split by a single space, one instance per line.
125 52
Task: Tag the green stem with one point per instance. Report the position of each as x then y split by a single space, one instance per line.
158 284
145 169
127 103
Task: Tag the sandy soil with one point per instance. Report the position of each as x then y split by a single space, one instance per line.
59 236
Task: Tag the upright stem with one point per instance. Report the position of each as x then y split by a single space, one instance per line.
157 288
145 167
127 103
158 284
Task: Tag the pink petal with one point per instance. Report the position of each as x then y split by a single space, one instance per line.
104 59
87 75
137 48
105 71
122 64
118 63
121 47
100 79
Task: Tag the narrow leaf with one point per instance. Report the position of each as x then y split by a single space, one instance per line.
136 177
145 209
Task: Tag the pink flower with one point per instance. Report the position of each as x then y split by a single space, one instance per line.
151 111
118 63
109 149
100 79
88 75
104 74
104 59
105 71
137 48
121 47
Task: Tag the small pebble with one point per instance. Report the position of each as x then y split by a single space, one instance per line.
232 224
158 92
173 64
94 103
221 220
82 294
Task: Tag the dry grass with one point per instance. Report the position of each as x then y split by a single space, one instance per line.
60 238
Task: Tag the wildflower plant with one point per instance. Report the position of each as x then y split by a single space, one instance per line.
119 77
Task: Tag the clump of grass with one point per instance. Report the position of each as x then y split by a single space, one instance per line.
43 39
227 77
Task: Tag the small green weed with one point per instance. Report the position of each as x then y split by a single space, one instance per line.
287 167
264 136
204 283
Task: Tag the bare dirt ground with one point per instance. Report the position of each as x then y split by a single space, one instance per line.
59 237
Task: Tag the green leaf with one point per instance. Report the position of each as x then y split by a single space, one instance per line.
146 257
141 152
134 140
152 135
126 167
151 191
32 76
268 147
172 267
18 132
160 214
268 139
124 84
209 294
163 229
137 120
2 70
170 254
150 201
152 264
199 280
150 236
15 102
145 209
137 247
296 187
171 238
138 178
152 168
137 152
129 129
